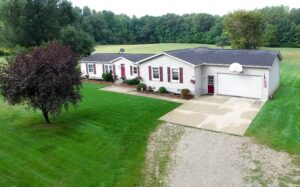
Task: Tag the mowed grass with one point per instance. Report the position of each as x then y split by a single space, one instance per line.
145 48
278 123
101 143
2 60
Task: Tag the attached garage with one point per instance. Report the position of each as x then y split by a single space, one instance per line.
240 85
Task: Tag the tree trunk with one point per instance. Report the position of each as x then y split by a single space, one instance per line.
46 117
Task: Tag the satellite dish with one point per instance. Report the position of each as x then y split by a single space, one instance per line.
122 50
236 67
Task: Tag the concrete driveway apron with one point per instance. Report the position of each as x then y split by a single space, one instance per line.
230 115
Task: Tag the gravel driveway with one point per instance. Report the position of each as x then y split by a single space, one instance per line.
204 158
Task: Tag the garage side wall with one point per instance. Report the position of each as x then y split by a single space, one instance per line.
165 61
274 78
214 70
198 78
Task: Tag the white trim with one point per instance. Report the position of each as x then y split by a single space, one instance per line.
94 62
89 64
149 58
117 59
108 65
135 66
227 65
171 74
155 79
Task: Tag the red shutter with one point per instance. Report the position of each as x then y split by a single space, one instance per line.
150 73
139 74
94 68
103 68
114 70
169 74
130 70
181 75
161 75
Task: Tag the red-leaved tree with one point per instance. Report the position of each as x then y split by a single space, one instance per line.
46 78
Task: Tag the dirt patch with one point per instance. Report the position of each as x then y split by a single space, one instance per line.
160 147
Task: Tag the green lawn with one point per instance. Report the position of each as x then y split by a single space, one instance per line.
102 143
144 48
2 60
278 124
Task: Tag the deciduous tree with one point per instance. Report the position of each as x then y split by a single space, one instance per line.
79 41
47 78
245 29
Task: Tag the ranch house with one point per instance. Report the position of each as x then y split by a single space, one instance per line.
241 73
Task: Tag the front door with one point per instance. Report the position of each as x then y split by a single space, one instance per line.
123 74
211 85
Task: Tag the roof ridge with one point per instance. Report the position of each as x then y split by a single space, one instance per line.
222 49
124 53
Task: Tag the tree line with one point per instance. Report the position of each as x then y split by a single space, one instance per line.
29 23
279 27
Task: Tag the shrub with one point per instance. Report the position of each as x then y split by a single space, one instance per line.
141 87
162 90
108 77
134 81
186 94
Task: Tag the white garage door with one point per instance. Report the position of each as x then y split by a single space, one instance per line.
240 85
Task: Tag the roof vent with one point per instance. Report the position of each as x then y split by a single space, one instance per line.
236 68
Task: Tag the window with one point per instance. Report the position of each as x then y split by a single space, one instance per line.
155 72
135 70
108 69
91 68
211 80
175 74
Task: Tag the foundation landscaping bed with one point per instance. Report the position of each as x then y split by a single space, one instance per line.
162 91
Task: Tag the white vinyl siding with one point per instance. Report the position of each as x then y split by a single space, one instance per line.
274 78
166 62
127 64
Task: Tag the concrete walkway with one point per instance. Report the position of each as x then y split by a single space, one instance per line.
132 91
230 115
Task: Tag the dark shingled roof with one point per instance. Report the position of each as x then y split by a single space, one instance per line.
199 56
107 57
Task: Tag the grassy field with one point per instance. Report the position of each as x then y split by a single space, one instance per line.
102 143
2 60
144 48
278 124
